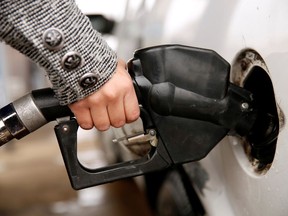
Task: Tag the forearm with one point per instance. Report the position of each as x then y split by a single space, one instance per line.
23 24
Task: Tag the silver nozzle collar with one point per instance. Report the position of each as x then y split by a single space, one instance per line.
29 113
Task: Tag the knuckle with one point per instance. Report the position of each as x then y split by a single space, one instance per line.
118 123
133 116
128 85
94 101
102 126
86 125
76 106
111 95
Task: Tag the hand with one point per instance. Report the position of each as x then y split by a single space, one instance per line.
114 104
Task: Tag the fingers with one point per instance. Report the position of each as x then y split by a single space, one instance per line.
131 106
130 101
87 117
100 117
82 114
114 104
116 113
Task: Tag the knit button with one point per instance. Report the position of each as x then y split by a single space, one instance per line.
71 61
88 80
53 39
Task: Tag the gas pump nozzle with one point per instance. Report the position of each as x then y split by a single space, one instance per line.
186 100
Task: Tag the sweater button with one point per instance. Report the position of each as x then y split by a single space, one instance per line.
88 80
53 39
71 61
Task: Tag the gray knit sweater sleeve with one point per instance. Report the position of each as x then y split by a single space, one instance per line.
57 36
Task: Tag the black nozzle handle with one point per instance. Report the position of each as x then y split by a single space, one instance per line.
49 105
234 111
167 99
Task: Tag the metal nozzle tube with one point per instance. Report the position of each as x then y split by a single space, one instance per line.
29 113
11 125
5 135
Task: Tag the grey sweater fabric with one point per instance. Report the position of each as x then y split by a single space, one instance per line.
23 24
